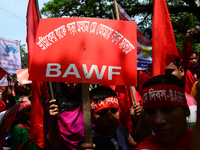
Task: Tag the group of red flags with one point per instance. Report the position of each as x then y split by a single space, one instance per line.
164 51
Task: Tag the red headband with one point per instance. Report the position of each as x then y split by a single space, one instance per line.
26 103
193 55
164 94
109 102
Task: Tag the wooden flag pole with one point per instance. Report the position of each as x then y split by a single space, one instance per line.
87 113
116 10
13 78
117 16
38 15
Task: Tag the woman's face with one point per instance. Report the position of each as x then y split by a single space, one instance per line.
168 122
71 87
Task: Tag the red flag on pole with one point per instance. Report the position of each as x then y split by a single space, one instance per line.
32 25
2 73
163 41
37 113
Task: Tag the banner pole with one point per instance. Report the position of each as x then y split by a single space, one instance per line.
38 11
87 113
116 10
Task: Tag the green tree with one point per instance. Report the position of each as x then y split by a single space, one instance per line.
184 13
24 55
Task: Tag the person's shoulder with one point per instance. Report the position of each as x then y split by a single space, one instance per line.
120 128
147 143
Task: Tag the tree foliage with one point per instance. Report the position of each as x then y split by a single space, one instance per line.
24 55
184 13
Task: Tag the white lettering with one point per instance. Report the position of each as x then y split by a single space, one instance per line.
94 67
72 66
49 68
110 71
71 28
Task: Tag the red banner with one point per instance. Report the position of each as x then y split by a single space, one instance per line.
22 76
85 50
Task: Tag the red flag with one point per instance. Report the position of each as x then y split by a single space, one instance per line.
37 113
163 41
6 122
2 73
32 25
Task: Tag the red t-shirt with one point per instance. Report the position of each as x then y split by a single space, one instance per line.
152 142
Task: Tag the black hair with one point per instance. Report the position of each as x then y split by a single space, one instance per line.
101 93
149 31
164 79
65 100
177 62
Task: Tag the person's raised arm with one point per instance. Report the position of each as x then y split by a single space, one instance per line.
187 48
194 143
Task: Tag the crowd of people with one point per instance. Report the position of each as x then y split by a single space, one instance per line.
164 116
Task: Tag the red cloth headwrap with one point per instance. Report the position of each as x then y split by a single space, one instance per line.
109 102
193 55
26 103
163 94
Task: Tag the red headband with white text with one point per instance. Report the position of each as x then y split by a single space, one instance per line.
109 102
163 94
26 103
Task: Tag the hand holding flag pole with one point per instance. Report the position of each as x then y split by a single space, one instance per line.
4 72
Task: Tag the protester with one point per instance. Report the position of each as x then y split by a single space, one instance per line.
107 133
165 109
19 90
187 61
20 133
148 33
63 120
176 69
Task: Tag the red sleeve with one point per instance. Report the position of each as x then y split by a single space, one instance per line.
187 52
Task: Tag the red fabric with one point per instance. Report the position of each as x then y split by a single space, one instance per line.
188 78
2 106
186 53
153 142
163 41
7 119
109 102
32 25
2 73
163 94
143 77
37 113
189 81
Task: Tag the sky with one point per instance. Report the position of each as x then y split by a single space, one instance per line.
13 19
